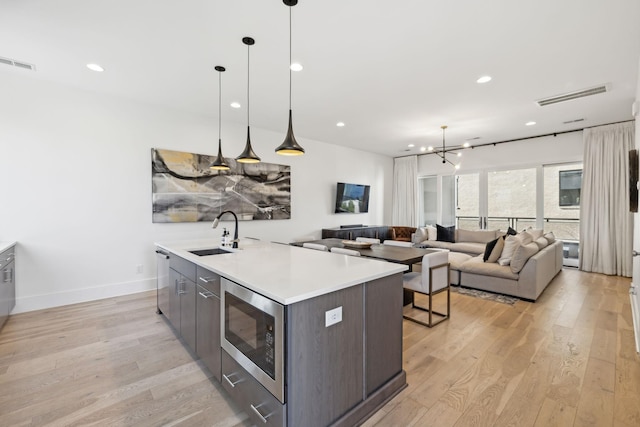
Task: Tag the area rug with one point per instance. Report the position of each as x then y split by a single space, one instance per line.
505 299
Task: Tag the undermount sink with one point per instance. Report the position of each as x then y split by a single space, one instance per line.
211 251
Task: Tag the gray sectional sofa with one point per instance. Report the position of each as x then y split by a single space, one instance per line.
535 270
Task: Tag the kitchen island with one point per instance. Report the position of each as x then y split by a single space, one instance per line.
338 356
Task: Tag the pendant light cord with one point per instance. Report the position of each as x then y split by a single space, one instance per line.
290 58
248 71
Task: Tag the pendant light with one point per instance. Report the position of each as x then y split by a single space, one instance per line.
219 163
248 155
290 146
444 151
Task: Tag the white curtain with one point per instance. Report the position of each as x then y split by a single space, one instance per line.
405 191
606 225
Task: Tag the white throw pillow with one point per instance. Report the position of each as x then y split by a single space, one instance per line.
510 245
521 255
525 237
536 233
432 232
541 242
420 235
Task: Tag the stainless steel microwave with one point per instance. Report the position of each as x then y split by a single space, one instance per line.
252 331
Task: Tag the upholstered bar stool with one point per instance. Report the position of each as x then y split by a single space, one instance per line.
432 280
397 243
316 246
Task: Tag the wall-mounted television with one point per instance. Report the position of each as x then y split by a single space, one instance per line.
352 198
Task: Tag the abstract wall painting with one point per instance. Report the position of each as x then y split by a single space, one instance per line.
185 189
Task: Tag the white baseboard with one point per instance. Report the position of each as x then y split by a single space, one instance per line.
39 302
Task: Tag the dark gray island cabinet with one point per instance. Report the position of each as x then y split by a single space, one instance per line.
342 348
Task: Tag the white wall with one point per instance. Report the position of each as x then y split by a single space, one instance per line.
562 148
75 169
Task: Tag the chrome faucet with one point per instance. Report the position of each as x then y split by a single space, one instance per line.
235 232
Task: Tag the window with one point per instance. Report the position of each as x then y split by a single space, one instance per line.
545 197
437 200
570 184
511 199
562 214
429 200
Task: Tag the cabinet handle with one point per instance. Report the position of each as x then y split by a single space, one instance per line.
180 290
208 279
166 255
257 412
206 295
231 383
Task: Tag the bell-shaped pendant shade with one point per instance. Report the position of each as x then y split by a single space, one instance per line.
248 155
290 146
219 163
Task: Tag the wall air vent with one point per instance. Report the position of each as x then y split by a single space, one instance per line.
574 95
19 64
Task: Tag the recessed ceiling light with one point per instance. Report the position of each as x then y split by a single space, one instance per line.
484 79
296 67
235 105
340 124
466 145
530 123
95 67
411 145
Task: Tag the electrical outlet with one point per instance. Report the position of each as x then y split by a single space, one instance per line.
332 317
139 269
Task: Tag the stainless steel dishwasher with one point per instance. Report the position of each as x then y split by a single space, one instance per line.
162 284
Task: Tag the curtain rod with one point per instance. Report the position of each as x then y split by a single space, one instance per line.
517 139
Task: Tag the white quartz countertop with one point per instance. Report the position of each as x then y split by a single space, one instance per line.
6 245
286 274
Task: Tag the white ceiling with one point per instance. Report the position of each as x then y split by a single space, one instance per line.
394 72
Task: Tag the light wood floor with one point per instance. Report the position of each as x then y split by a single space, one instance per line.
568 359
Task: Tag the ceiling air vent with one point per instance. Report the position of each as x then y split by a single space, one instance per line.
573 95
19 64
568 122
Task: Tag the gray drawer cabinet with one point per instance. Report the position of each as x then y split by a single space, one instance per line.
261 406
7 284
182 299
208 320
